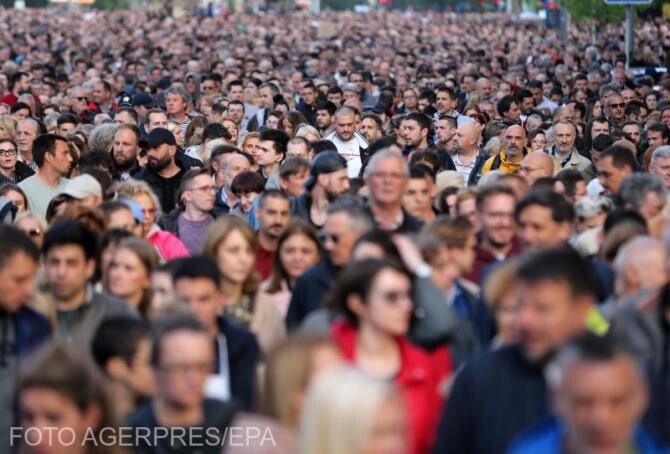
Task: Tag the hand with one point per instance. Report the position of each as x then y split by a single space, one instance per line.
409 252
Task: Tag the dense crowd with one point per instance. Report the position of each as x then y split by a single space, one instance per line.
352 233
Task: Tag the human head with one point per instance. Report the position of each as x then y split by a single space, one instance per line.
643 193
19 258
640 265
415 127
246 186
161 149
273 213
197 191
544 218
142 195
556 288
177 101
660 164
419 192
345 124
347 219
515 140
129 273
328 174
508 109
615 164
125 147
272 147
495 206
565 134
537 164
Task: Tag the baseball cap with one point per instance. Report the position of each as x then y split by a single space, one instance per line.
83 186
143 99
158 137
325 162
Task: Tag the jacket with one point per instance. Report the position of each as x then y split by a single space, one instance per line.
476 172
20 334
167 244
243 356
220 207
21 172
166 188
494 398
419 381
309 292
308 111
501 163
577 162
548 438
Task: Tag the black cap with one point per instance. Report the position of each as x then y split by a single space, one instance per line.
143 99
158 137
325 162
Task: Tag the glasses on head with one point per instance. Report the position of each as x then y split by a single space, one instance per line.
620 105
324 237
8 152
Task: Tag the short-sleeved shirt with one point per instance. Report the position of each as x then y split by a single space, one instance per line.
39 194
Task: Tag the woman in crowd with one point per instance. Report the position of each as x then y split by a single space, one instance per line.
348 411
375 298
232 244
297 251
33 225
249 143
7 127
500 298
16 195
291 121
537 140
60 388
129 272
168 246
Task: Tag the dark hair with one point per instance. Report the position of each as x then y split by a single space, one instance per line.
130 111
320 146
504 104
199 266
381 143
16 78
170 324
97 158
427 157
20 106
660 127
13 241
561 264
602 142
422 119
326 105
118 336
247 181
43 144
376 118
384 240
421 171
271 193
278 137
297 226
292 166
570 178
620 216
5 188
357 279
490 191
621 157
69 232
561 210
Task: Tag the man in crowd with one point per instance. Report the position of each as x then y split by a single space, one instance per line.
349 143
125 151
27 131
273 216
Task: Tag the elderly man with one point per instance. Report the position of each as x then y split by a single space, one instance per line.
640 267
510 157
535 165
564 150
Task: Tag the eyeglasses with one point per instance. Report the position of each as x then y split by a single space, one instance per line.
618 106
203 189
325 237
394 296
150 211
81 98
8 152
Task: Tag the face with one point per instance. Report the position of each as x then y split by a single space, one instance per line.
338 238
412 133
297 150
17 281
100 95
274 216
527 105
468 209
308 96
539 142
266 97
65 128
661 168
267 156
564 135
160 157
247 200
497 219
235 257
200 193
389 429
616 107
655 139
297 254
124 148
599 128
548 316
538 230
513 113
236 92
175 104
67 270
231 126
43 411
149 210
445 131
444 103
652 205
186 359
234 165
388 181
26 133
157 120
602 402
418 199
609 176
410 99
515 139
203 298
294 185
388 306
370 130
128 278
345 126
323 119
633 132
236 112
8 156
335 183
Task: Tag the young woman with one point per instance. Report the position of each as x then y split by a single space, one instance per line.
33 225
232 244
297 251
537 140
168 246
347 411
60 388
16 195
129 272
375 298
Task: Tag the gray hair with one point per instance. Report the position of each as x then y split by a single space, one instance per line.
359 216
382 155
179 91
634 189
661 152
102 136
590 206
635 253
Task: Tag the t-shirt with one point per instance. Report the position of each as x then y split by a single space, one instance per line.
39 194
192 233
351 151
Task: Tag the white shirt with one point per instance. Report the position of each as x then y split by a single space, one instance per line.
351 151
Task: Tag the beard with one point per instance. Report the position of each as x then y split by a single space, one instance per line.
158 165
332 196
513 150
123 165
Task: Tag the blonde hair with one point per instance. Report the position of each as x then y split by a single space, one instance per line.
133 188
500 283
8 124
340 410
287 373
218 232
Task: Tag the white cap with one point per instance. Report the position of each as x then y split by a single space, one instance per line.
83 186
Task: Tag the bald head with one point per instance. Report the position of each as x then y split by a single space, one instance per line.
537 164
515 140
468 136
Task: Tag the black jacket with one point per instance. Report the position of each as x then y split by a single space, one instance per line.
496 396
308 111
309 292
21 172
220 208
243 355
166 188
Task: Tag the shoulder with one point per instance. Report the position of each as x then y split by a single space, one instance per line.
546 437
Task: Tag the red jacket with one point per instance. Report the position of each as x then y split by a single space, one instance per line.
419 380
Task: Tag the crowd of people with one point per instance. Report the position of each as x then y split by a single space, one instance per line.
353 233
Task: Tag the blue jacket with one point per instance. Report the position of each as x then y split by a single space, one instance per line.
547 438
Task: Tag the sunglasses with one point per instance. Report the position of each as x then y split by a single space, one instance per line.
618 106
